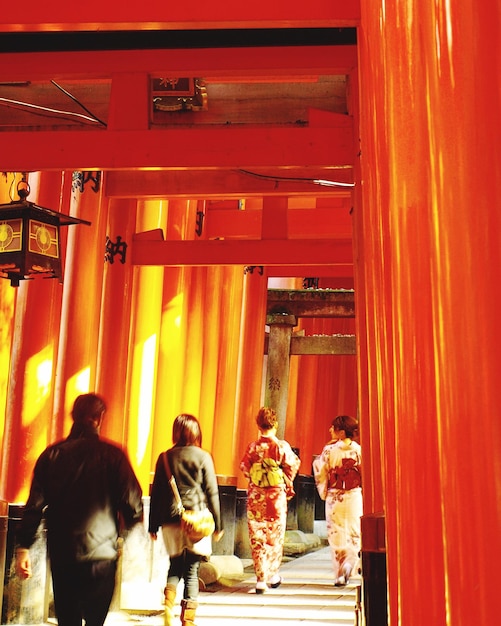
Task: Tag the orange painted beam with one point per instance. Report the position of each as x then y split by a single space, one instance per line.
177 148
279 60
321 222
232 223
134 90
242 252
157 14
301 223
225 183
274 218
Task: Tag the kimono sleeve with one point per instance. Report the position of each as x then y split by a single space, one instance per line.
321 475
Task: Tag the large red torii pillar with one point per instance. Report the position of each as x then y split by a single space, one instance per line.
429 269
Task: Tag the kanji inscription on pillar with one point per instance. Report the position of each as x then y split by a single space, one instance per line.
274 384
115 248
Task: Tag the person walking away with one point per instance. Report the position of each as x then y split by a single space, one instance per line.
270 465
338 480
195 476
86 489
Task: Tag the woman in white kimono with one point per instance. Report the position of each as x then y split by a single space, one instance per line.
338 480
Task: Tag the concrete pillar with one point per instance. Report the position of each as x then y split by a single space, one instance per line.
277 373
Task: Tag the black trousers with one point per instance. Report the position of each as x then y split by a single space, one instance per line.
83 591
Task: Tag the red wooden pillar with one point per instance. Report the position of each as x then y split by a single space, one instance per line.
224 437
193 321
212 322
293 418
307 438
172 354
81 306
250 367
114 327
368 395
341 370
30 382
432 268
7 313
147 299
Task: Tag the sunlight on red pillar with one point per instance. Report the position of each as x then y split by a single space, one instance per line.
7 304
173 329
112 359
430 136
143 355
224 441
250 367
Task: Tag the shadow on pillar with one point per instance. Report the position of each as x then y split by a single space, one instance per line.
292 504
4 510
228 499
319 503
374 580
301 508
305 505
242 543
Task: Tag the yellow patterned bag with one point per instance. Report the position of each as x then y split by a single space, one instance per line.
197 524
266 473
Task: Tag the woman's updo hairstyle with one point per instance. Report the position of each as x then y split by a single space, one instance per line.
347 423
266 418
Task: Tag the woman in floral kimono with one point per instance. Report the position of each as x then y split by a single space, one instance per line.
270 465
338 480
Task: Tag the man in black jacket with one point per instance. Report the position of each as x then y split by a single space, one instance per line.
87 492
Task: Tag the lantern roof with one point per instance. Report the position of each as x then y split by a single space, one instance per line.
25 205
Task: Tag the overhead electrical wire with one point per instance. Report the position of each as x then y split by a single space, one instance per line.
43 109
316 181
38 107
78 102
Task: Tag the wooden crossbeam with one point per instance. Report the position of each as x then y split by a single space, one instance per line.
176 148
311 303
198 14
269 252
224 183
104 64
320 345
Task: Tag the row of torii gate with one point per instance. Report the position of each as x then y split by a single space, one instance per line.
283 309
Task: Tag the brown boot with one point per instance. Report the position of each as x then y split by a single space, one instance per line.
170 600
188 610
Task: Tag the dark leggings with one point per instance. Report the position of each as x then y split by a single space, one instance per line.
186 566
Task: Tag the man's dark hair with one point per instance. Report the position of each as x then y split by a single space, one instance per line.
88 406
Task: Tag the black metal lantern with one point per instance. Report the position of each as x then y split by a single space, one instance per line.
29 240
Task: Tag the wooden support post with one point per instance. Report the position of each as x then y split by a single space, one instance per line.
277 373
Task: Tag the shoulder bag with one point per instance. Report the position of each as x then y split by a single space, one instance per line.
195 524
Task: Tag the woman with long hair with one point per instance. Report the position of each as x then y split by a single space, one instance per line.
195 476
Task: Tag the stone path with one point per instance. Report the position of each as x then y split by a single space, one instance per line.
306 596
